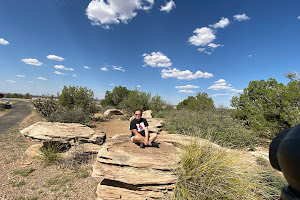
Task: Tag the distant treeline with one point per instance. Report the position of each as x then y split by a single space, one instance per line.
16 95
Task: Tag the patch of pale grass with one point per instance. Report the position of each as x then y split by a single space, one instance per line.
207 172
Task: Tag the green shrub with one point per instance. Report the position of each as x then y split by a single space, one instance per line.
27 96
206 172
215 125
136 100
200 102
77 97
46 105
115 97
76 115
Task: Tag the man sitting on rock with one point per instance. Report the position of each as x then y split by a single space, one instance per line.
140 133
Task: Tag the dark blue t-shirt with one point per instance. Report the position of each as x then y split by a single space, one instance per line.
139 126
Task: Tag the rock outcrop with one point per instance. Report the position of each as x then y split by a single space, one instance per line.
129 172
63 133
113 112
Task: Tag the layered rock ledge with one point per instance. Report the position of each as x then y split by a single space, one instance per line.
129 172
65 133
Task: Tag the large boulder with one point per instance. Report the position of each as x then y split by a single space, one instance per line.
129 172
113 112
64 133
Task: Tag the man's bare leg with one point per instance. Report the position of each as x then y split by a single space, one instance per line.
138 139
153 136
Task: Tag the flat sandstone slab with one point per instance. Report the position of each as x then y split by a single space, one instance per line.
129 172
46 131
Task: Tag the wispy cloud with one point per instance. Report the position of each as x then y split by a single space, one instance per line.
112 84
168 7
252 55
30 81
54 57
86 67
186 91
241 17
227 94
62 67
42 78
187 87
3 41
119 68
157 59
184 75
11 81
138 86
104 13
59 73
104 68
32 61
21 76
74 75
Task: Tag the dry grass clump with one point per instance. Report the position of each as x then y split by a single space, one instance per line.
207 172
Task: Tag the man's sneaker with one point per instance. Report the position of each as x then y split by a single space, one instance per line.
142 145
154 144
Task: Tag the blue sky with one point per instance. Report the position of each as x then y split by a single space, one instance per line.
171 48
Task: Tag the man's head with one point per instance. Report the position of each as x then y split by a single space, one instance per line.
138 114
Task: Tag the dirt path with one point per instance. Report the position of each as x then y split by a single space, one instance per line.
20 110
113 126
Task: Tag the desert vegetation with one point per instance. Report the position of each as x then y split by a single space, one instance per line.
74 105
16 95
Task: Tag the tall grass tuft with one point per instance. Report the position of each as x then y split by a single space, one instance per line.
50 154
207 172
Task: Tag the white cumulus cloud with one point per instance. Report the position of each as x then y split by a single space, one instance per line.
22 76
298 17
138 86
62 67
104 69
186 91
3 41
54 57
187 87
157 59
74 75
32 61
59 73
42 78
203 36
221 24
168 7
103 13
184 75
11 81
221 84
119 68
241 17
86 67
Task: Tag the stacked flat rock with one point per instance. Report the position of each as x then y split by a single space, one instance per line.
129 172
63 132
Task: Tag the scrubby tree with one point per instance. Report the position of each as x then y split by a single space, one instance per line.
200 102
157 103
136 100
268 106
27 96
115 97
77 97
